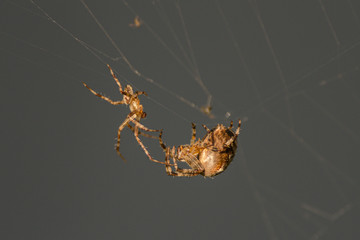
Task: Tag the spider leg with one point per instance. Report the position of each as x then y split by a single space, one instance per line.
231 140
188 172
163 146
122 157
141 133
103 97
206 128
191 160
167 163
115 78
178 172
135 95
209 131
137 123
173 156
121 127
238 128
136 133
138 93
193 136
231 125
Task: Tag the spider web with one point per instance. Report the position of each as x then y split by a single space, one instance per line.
288 70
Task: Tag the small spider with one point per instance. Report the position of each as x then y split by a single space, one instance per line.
208 157
137 22
129 98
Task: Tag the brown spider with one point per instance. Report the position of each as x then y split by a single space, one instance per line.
129 98
208 157
137 22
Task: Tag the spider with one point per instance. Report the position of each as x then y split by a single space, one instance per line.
208 157
136 114
137 22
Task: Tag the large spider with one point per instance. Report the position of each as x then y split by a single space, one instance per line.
129 98
208 157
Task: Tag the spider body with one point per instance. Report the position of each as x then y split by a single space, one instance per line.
130 98
209 156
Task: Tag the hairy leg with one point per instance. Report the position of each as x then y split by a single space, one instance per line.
143 147
103 97
115 78
193 136
231 140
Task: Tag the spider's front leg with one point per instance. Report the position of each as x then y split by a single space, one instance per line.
103 97
115 78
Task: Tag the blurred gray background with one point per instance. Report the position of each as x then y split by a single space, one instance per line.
289 70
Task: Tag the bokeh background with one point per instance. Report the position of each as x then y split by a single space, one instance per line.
289 70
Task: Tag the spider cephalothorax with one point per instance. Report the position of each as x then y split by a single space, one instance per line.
208 157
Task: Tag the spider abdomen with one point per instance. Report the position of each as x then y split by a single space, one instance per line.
217 155
215 162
